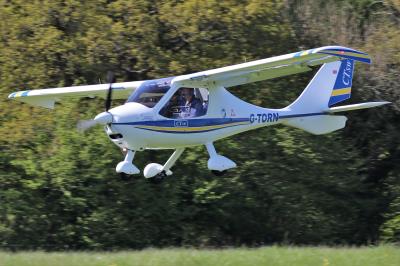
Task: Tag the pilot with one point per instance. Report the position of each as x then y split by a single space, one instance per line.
190 105
171 110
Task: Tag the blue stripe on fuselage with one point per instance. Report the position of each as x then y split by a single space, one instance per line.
302 115
167 126
191 122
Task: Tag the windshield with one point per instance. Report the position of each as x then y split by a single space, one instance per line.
150 92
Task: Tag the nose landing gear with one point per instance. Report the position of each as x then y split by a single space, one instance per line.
126 166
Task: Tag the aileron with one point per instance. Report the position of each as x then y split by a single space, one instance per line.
47 97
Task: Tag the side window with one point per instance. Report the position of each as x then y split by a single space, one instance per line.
186 103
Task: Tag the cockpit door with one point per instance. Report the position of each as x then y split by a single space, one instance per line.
186 103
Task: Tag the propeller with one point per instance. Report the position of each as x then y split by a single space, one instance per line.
102 118
84 125
111 80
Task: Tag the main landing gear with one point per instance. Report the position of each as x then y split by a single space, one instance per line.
218 164
126 166
155 172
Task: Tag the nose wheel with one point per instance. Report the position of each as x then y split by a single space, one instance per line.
219 173
125 177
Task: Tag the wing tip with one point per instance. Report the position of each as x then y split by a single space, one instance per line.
18 94
344 52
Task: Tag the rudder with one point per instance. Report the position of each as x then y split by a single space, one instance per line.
342 88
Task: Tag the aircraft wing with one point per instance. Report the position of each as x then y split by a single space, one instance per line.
47 97
269 68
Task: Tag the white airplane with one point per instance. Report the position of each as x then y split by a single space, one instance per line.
196 109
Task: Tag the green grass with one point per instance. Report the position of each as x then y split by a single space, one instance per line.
288 256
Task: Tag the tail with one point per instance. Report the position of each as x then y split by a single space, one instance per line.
332 84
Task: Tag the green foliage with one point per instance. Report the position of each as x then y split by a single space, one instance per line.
59 189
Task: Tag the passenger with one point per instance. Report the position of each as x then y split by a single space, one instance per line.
190 105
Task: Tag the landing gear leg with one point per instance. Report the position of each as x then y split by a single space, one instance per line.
158 171
218 164
126 166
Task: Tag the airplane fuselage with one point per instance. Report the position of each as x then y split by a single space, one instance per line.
137 127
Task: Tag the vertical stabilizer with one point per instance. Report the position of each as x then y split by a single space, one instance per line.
331 84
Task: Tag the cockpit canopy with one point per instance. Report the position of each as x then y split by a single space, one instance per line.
150 92
184 103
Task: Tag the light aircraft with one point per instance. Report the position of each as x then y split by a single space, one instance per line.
196 109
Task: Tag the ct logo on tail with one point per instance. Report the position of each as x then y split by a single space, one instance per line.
346 77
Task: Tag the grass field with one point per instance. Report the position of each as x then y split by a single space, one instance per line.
288 256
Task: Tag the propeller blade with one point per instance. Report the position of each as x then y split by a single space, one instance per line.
102 118
84 125
111 80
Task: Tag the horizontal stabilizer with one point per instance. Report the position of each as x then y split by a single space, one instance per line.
357 106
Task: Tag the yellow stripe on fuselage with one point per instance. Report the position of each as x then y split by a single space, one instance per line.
341 91
191 129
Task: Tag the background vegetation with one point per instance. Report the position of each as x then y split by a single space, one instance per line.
59 189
